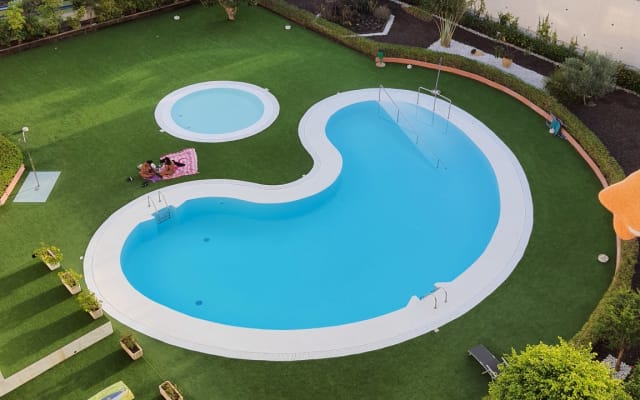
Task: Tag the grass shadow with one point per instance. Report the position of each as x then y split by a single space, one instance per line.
32 342
110 367
32 306
26 274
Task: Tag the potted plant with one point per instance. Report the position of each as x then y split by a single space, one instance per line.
71 280
169 391
130 345
90 303
505 54
48 254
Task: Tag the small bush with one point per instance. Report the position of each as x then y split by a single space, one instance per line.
629 79
382 12
590 77
10 160
632 385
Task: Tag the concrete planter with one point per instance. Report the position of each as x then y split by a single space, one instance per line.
73 289
97 313
52 266
169 391
135 354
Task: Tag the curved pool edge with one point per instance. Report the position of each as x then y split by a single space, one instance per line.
104 276
162 112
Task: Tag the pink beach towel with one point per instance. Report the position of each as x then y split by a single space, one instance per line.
187 157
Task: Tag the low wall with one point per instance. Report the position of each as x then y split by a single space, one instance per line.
39 367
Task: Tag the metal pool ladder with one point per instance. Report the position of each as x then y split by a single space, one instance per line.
164 213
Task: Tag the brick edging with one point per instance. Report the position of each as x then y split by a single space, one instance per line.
12 185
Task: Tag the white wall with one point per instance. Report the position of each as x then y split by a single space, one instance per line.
611 27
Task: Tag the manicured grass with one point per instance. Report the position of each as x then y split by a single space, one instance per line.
89 104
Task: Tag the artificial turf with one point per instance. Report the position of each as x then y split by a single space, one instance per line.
89 102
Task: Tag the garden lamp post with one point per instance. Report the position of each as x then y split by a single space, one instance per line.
25 129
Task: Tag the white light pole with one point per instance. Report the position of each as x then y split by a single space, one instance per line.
25 129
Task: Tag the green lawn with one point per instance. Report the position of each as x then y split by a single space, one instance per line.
89 103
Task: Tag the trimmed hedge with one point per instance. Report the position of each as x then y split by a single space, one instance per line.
587 139
10 160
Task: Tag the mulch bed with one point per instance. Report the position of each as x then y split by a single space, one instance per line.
615 118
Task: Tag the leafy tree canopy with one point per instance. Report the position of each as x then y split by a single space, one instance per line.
555 372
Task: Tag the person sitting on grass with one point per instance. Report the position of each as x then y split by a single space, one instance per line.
147 169
555 126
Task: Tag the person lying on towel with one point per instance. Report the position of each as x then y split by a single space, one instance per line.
168 167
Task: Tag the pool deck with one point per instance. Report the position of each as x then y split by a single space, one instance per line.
104 275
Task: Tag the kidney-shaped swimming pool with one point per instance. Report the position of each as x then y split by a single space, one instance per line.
357 245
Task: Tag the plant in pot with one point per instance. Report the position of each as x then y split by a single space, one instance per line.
505 53
71 280
131 346
169 391
90 303
48 254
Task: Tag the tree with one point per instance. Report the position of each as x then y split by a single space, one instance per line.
230 6
592 76
50 15
620 322
15 20
555 372
447 15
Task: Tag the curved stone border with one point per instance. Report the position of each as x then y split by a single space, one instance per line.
166 122
103 272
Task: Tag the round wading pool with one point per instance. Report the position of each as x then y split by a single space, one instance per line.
216 111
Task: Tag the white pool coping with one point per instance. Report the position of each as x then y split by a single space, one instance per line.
167 124
103 273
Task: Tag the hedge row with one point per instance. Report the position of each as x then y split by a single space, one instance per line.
587 139
10 160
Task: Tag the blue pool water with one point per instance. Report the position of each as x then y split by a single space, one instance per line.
389 228
217 110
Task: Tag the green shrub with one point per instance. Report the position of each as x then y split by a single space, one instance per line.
10 160
632 385
5 34
382 12
583 78
108 9
628 79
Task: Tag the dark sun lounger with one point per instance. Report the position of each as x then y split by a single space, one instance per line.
485 358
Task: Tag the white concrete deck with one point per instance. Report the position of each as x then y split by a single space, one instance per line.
103 272
165 121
